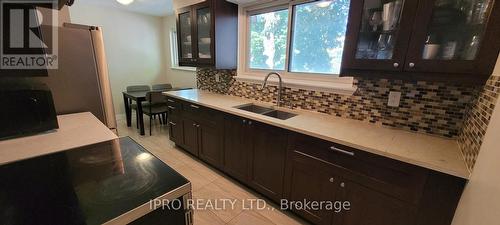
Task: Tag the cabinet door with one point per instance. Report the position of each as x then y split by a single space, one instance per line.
185 36
176 130
369 207
378 34
312 180
237 146
191 136
211 143
204 28
455 37
268 160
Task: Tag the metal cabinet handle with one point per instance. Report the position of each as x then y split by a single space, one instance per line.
342 185
396 65
195 106
197 125
172 123
244 121
194 124
171 107
170 100
331 180
249 122
342 151
411 65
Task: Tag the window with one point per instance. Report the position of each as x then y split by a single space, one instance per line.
318 37
312 43
268 35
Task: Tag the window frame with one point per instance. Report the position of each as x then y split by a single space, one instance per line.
244 44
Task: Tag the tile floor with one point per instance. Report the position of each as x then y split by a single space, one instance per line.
208 183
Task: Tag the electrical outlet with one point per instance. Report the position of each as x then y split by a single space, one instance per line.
217 78
394 98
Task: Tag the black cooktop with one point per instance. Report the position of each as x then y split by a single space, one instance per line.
89 185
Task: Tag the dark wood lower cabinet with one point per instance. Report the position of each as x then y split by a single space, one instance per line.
237 147
190 136
371 207
281 164
267 160
312 181
210 143
176 130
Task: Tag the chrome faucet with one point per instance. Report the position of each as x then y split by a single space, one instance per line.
280 86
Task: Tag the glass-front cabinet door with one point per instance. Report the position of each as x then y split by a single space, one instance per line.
378 34
204 30
451 37
185 36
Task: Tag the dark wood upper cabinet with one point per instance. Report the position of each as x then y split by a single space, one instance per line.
207 34
455 38
435 39
371 43
184 36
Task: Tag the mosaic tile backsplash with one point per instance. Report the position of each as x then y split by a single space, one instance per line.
477 119
433 108
452 111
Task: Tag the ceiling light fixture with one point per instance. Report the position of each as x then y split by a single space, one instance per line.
125 2
324 3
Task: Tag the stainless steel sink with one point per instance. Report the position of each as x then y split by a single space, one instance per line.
266 111
255 108
279 114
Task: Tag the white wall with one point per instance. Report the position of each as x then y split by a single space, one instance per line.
137 48
480 202
134 46
180 78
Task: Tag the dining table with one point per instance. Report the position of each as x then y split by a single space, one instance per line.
139 97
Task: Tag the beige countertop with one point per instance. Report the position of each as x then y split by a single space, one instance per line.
75 130
435 153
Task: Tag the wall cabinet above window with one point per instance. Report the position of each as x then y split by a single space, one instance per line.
435 39
207 34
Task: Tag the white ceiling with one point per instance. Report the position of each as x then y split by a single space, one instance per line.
149 7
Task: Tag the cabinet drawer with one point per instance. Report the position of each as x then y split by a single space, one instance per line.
201 113
397 179
174 106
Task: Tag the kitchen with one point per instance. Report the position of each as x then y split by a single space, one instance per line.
384 108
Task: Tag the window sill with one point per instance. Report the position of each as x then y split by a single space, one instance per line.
344 86
184 68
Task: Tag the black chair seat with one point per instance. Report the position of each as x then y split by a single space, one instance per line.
155 109
144 105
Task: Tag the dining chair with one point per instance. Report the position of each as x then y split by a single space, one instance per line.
134 88
157 107
162 87
133 106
